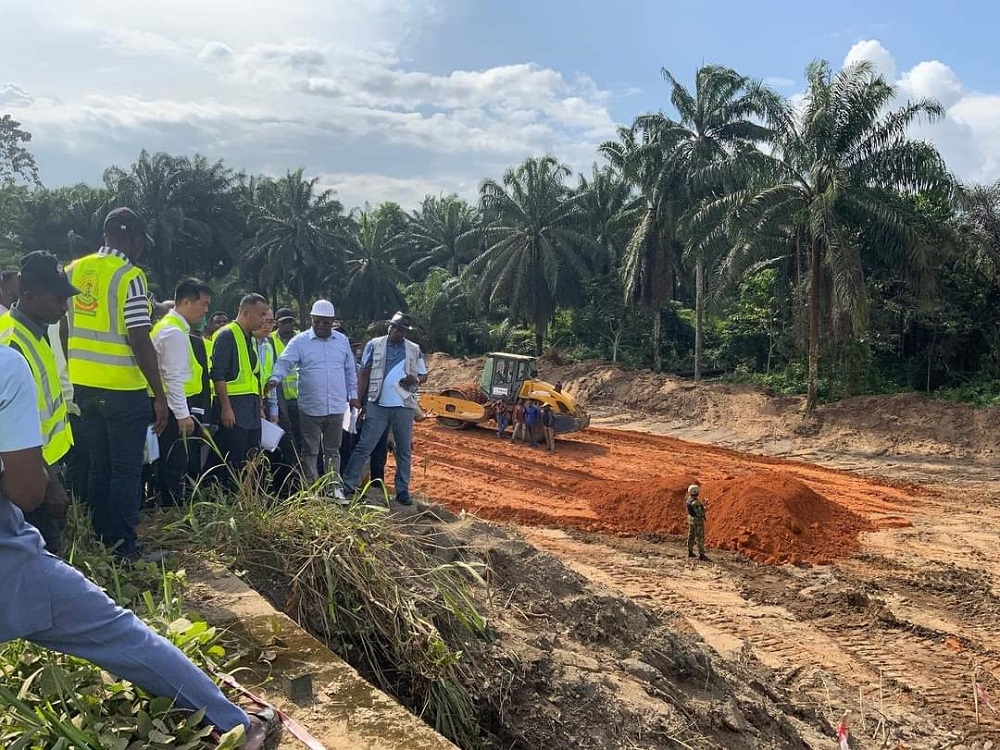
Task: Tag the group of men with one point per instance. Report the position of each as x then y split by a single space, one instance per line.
86 373
528 417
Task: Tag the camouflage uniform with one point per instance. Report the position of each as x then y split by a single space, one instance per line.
696 523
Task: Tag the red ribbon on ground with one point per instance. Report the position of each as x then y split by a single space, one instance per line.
298 731
842 736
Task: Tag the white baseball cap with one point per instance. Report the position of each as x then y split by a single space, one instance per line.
323 308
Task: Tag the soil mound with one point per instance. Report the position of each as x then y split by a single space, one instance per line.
769 517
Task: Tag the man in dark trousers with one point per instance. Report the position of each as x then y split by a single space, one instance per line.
182 375
235 373
112 363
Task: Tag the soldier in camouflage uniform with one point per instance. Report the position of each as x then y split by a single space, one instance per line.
696 522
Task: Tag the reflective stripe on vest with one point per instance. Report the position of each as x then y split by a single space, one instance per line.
192 386
246 382
290 385
56 433
100 355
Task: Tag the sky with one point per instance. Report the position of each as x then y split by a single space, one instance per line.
397 99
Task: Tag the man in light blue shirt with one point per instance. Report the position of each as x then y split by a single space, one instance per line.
328 382
50 603
391 369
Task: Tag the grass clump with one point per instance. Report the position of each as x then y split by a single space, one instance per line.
391 602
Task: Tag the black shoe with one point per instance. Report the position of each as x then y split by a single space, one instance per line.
404 500
690 553
703 557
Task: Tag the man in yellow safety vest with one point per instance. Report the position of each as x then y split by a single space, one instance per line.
44 291
235 373
111 363
182 375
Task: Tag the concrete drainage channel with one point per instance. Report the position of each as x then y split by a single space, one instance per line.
299 675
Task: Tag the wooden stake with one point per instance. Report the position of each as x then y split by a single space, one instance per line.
975 698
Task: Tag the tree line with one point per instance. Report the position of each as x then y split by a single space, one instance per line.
812 245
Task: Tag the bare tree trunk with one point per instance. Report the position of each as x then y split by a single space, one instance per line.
657 329
813 345
699 315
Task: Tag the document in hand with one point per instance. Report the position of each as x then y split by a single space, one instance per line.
270 435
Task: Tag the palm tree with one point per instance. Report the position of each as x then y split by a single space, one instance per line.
650 259
979 226
374 282
296 235
605 198
712 143
190 211
836 182
535 244
434 231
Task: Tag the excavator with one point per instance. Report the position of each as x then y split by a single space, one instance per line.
505 379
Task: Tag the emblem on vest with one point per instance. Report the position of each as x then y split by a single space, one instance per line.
86 302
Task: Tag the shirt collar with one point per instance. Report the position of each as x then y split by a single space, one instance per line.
114 253
184 324
40 332
312 334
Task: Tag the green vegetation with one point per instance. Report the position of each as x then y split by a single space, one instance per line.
397 606
49 700
816 245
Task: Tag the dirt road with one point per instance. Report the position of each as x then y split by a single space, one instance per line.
895 630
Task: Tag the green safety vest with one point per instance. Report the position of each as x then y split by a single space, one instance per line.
290 385
57 435
247 380
192 386
100 355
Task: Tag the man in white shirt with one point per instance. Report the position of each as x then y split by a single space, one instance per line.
182 376
328 382
50 603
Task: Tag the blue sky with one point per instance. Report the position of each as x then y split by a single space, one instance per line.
392 99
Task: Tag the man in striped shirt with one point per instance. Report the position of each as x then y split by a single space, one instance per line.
111 363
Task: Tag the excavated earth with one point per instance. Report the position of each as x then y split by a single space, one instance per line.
853 572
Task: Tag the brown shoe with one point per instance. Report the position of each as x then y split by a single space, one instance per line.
264 731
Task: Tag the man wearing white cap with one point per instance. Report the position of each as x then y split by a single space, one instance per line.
328 382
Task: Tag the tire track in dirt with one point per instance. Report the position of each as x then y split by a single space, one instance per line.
911 672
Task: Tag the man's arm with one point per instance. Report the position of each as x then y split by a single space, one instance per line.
223 348
351 377
421 369
24 476
284 364
145 356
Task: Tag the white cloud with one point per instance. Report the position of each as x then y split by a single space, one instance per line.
329 86
14 97
873 51
968 136
355 188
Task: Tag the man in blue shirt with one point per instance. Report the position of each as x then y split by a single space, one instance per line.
328 382
531 415
392 367
50 603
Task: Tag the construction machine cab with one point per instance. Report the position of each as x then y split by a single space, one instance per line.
504 375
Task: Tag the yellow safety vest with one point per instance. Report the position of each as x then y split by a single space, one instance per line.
100 355
247 380
192 386
290 385
56 432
